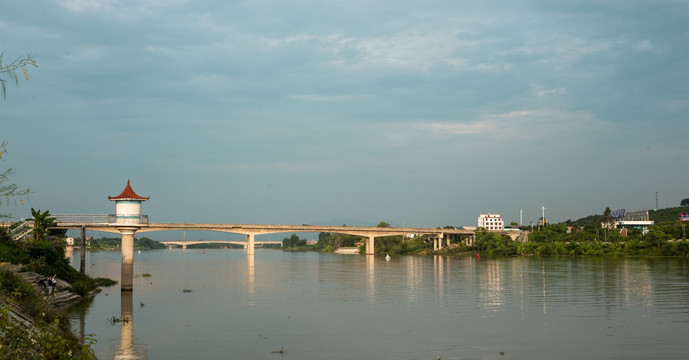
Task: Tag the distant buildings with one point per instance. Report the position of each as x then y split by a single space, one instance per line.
634 219
491 222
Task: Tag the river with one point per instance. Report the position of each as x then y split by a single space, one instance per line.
223 304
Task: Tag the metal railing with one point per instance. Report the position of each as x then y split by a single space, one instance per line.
82 219
101 219
21 230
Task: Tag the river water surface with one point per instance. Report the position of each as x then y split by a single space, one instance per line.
223 304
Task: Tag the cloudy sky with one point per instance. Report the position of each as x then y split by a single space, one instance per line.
418 113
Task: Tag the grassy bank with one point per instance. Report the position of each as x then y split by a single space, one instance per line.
31 327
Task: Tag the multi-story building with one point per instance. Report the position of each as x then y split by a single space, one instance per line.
491 222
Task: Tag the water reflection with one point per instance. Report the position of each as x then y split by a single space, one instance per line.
491 288
127 349
371 277
250 279
309 302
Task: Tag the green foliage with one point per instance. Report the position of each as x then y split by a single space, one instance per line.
41 222
293 241
329 242
49 338
114 242
47 257
9 252
666 215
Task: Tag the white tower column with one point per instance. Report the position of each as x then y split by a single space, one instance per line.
127 273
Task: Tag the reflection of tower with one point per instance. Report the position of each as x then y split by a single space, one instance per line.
127 348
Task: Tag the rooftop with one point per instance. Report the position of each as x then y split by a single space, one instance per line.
128 194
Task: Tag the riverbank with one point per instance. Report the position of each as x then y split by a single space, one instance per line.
34 325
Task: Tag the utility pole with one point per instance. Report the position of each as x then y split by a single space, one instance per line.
656 200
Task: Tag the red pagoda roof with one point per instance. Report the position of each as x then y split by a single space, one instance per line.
128 194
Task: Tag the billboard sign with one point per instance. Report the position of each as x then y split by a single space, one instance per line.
618 214
683 216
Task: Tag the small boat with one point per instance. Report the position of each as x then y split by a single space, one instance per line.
387 257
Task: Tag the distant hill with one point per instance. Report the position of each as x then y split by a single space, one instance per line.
667 215
658 216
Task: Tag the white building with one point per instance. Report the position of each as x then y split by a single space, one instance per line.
491 222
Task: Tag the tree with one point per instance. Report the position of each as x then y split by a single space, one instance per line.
9 71
41 222
9 191
684 203
293 241
596 223
606 219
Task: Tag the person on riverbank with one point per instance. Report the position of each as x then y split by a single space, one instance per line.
40 281
478 256
52 282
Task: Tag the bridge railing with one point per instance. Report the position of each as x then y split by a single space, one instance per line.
21 230
100 219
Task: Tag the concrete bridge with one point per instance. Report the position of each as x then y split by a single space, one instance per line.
127 225
107 223
185 243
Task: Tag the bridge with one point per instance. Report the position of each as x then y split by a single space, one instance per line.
185 243
128 220
109 223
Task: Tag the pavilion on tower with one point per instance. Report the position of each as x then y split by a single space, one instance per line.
128 221
128 207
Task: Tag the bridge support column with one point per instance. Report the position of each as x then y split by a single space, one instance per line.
250 244
127 272
370 245
82 265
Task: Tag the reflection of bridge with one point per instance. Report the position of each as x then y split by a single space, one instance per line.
185 243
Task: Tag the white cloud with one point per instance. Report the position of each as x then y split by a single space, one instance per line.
87 53
329 98
478 127
88 5
643 45
518 124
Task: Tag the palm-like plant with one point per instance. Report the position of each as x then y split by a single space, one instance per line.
41 223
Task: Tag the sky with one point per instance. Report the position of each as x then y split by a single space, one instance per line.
417 113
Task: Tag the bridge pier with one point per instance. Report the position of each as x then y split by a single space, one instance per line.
370 245
250 244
